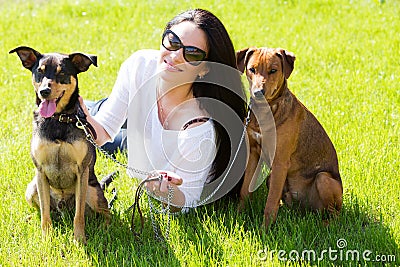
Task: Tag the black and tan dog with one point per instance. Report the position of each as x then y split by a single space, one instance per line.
305 166
64 159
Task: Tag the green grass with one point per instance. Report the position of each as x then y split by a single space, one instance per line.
346 72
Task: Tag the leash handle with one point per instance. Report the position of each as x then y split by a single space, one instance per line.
136 204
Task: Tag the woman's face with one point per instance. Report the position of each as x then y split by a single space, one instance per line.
173 63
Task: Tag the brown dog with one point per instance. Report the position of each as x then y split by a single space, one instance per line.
63 157
305 167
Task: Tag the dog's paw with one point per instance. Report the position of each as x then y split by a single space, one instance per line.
80 237
47 227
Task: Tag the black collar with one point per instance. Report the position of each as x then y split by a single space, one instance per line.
66 118
72 118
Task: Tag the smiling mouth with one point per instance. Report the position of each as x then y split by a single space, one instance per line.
171 66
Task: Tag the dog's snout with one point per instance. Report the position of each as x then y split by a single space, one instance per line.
259 93
45 92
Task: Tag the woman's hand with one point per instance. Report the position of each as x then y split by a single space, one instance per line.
83 106
161 188
168 178
102 136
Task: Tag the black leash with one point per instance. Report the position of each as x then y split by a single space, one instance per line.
136 205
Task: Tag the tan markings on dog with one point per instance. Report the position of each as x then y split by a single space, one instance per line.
95 199
49 151
67 90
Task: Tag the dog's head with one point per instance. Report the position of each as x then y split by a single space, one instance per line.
54 77
266 69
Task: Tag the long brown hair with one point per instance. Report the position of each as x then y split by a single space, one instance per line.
230 94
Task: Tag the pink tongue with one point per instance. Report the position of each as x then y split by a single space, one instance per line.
47 108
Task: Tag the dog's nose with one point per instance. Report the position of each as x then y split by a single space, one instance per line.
45 92
259 93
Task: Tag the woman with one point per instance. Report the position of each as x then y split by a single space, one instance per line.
184 121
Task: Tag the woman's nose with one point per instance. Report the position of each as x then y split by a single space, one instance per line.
177 56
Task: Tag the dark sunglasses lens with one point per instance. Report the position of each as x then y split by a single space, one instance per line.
171 42
193 54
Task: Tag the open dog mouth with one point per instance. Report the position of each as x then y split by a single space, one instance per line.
48 106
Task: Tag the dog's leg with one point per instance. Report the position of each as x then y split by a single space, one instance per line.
97 202
326 194
80 202
31 194
276 185
252 170
43 188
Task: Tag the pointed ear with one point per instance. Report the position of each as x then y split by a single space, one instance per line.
27 55
288 62
83 61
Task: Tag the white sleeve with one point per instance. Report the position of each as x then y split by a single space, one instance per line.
114 110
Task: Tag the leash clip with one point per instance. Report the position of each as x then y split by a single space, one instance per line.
81 126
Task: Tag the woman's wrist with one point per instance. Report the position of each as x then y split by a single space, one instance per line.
168 189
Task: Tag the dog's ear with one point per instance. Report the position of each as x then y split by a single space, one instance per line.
242 57
28 56
288 62
83 61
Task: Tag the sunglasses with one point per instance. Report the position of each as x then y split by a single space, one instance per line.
191 54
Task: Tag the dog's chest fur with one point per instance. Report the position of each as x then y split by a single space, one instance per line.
59 151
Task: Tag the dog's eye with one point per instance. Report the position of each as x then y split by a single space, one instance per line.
252 70
272 71
40 70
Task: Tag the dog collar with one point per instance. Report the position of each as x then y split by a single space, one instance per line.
65 118
71 118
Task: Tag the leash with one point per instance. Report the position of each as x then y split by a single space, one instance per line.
151 176
154 176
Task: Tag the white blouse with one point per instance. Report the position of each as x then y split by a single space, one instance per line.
189 153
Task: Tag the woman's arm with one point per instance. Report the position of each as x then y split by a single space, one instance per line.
102 136
109 119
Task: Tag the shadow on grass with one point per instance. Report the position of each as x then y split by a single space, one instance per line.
114 244
356 237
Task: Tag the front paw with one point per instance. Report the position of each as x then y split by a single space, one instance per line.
79 236
46 226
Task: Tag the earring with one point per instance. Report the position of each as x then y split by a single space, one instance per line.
202 74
